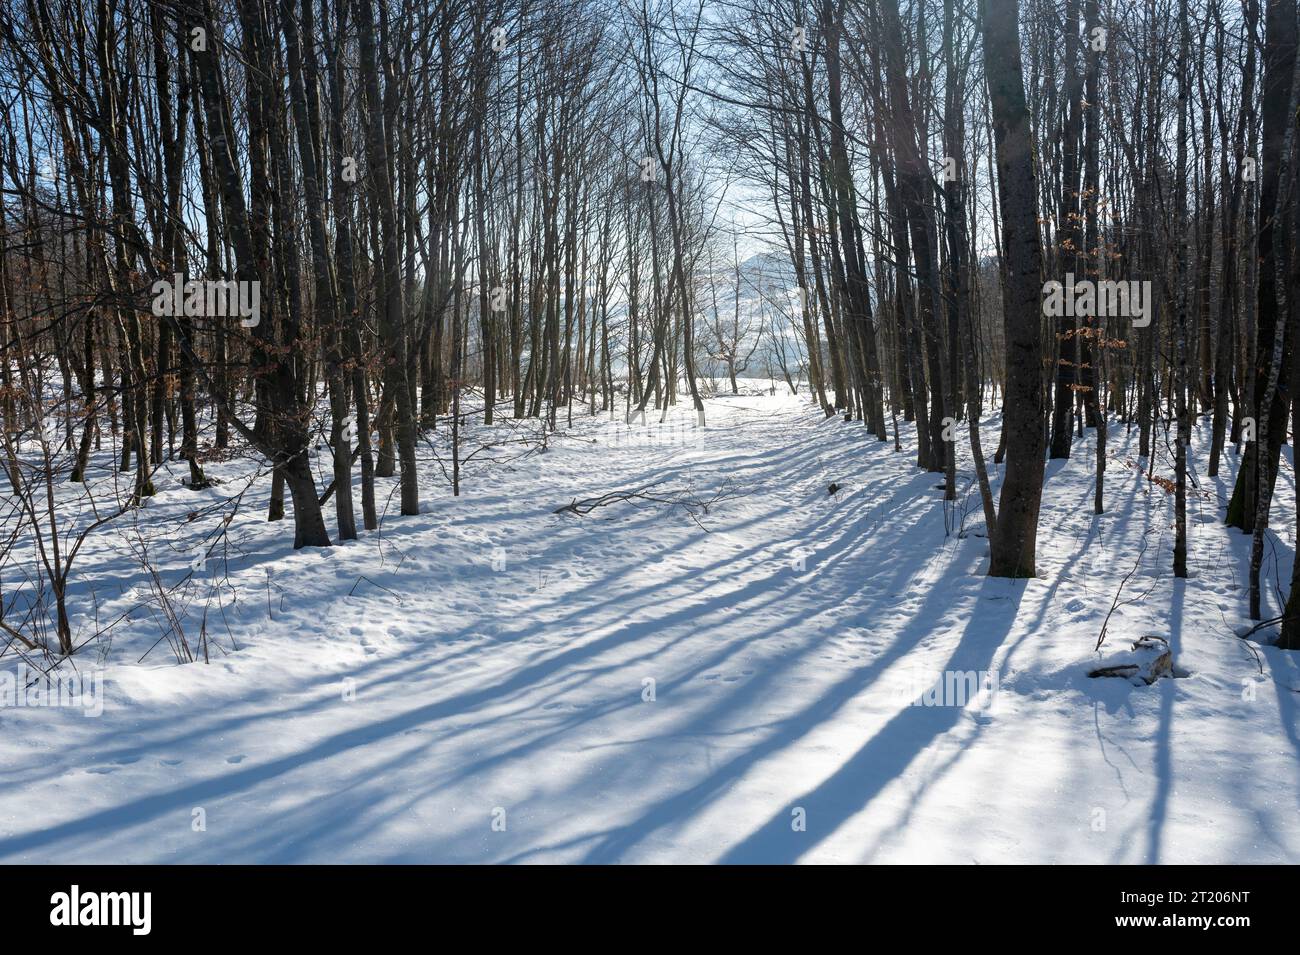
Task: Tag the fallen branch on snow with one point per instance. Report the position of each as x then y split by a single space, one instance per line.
684 499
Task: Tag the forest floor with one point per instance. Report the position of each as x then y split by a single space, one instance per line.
649 682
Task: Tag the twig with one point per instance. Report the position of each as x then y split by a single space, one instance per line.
1115 604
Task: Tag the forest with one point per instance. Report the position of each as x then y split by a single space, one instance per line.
792 371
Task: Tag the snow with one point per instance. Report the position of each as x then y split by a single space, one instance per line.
471 684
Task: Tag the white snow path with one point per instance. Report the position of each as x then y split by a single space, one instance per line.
781 687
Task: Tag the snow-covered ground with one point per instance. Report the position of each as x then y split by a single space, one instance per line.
491 681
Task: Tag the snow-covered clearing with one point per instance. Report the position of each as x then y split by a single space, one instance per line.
482 693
